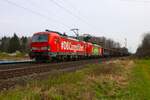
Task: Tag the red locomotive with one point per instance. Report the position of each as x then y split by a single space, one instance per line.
51 45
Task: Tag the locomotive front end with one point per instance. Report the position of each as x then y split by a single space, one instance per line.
40 47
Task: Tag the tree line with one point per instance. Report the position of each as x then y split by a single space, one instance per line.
14 43
144 49
105 43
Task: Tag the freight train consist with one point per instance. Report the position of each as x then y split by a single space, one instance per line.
51 45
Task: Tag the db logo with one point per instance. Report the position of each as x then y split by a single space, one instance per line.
68 46
65 45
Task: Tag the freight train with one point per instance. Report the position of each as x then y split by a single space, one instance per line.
52 45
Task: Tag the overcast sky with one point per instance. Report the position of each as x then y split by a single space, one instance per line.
116 19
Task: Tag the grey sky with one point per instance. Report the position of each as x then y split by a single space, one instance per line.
116 19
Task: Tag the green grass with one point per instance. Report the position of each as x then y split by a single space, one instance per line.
97 81
117 80
140 81
8 56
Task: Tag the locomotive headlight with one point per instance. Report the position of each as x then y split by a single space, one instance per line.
44 48
48 47
34 48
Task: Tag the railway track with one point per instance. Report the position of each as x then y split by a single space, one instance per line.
12 71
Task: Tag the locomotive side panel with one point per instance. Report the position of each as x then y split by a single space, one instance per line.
97 50
89 49
54 43
71 47
100 51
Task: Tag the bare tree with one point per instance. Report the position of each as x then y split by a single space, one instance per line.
144 49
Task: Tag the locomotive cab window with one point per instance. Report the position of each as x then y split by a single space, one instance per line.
40 38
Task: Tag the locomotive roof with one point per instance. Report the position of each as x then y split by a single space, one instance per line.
72 38
48 32
69 37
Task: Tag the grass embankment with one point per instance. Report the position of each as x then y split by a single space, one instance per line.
139 86
95 82
119 80
13 56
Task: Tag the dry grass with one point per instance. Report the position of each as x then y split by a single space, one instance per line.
95 82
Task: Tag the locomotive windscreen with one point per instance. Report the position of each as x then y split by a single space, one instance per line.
40 38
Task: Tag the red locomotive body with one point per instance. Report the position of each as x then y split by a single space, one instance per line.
53 45
89 49
72 46
47 45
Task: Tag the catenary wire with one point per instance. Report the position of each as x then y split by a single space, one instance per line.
34 12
